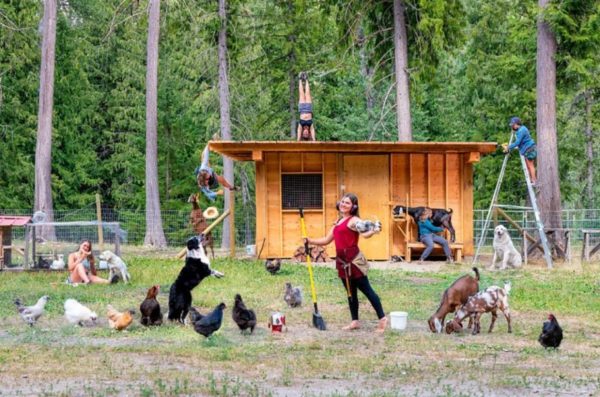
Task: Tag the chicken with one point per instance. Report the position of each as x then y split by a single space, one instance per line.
273 265
150 309
119 320
58 263
244 318
292 295
30 314
76 313
211 322
552 334
195 315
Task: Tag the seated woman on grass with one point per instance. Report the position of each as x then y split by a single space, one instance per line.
82 266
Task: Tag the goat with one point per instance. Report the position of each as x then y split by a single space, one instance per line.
199 224
454 296
439 217
491 300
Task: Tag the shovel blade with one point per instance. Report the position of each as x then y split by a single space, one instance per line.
318 322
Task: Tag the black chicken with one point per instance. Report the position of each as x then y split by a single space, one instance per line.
273 265
150 309
552 334
210 323
244 318
195 315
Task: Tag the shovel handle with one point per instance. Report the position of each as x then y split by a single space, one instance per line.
308 261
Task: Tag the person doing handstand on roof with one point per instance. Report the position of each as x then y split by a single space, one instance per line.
306 129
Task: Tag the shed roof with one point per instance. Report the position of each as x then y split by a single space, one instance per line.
254 150
10 220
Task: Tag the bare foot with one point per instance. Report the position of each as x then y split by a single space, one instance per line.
353 325
381 325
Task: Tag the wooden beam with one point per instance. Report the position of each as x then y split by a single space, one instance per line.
474 157
257 155
503 214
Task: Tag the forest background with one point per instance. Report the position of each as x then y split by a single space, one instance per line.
472 65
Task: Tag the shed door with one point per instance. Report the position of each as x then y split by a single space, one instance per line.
368 177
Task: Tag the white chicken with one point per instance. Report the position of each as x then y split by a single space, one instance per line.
76 313
58 263
30 314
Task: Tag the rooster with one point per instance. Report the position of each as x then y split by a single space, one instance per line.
76 313
30 314
292 295
244 318
273 265
118 320
150 309
210 323
552 334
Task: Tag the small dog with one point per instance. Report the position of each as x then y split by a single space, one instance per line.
115 266
504 250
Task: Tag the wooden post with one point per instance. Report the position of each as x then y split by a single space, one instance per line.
232 224
99 217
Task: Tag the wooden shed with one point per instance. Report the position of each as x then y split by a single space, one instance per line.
6 224
314 175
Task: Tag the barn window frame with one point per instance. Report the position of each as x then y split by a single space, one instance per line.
302 190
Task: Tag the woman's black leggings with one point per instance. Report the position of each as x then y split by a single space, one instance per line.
364 286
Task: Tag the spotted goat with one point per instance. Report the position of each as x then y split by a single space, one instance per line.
491 300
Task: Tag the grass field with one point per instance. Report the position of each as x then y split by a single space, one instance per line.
57 359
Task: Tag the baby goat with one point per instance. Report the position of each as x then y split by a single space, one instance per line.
491 300
454 296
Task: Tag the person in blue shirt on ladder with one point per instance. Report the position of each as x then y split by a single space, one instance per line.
526 146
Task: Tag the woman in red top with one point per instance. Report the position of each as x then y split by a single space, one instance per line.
345 235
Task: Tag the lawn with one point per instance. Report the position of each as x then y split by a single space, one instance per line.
57 359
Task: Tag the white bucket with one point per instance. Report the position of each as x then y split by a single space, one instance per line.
399 320
251 250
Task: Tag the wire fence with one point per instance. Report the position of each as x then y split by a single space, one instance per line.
177 228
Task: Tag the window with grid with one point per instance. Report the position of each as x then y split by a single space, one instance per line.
301 191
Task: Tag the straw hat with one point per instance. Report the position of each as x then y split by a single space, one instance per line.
211 213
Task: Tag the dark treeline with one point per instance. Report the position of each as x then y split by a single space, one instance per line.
471 67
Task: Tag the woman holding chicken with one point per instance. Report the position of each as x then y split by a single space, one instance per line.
349 260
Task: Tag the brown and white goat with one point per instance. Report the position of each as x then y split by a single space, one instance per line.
199 224
454 296
491 300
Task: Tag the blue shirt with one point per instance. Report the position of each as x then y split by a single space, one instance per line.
426 227
523 140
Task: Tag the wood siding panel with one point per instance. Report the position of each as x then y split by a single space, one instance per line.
454 173
312 162
291 162
437 180
331 185
261 208
467 202
292 233
400 177
274 232
418 181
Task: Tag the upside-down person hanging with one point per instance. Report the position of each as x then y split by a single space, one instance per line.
208 180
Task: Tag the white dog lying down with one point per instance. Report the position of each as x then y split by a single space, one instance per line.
504 250
115 266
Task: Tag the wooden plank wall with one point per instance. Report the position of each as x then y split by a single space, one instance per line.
281 228
435 180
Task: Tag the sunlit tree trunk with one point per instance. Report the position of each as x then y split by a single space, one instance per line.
403 118
549 197
43 148
292 74
224 109
154 230
366 72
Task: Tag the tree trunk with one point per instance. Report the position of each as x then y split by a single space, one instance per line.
224 111
549 202
154 230
401 67
367 74
43 147
292 73
589 141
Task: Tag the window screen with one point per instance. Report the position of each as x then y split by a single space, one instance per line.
301 191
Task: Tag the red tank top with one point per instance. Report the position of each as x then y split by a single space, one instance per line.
346 248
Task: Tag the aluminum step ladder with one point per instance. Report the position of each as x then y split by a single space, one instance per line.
534 207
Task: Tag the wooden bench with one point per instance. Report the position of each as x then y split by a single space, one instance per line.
456 249
587 250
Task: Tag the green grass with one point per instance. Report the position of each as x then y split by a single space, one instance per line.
55 358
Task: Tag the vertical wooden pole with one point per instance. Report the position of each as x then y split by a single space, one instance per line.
99 217
232 224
